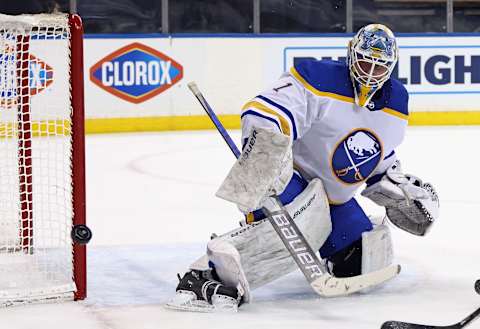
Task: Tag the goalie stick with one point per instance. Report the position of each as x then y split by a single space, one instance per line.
406 325
314 271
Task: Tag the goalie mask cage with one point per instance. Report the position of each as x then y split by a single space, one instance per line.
42 157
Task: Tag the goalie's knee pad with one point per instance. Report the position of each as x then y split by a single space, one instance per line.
370 253
254 255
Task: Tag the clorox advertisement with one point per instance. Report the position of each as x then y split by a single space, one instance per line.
136 73
47 80
40 77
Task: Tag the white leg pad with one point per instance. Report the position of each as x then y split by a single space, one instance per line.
254 255
200 264
377 249
228 266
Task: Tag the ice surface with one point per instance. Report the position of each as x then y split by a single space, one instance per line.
151 207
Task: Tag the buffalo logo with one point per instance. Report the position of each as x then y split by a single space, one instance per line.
356 156
136 73
40 76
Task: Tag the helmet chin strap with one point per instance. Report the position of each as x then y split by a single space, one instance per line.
363 94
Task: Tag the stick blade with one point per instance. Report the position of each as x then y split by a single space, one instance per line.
329 286
406 325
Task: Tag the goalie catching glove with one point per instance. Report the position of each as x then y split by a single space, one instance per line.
410 204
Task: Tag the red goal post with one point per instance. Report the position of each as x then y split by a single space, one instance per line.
42 158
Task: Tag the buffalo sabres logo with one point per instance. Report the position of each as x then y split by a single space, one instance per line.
356 156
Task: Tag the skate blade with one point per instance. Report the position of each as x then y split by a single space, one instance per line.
188 303
192 306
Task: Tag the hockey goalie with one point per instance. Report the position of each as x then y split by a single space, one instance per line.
314 138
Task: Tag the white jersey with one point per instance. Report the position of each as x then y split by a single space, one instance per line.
334 139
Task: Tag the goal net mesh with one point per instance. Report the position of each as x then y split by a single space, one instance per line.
36 254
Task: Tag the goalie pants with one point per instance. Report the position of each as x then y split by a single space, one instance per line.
349 220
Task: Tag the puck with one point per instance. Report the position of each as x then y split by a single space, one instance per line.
477 286
81 234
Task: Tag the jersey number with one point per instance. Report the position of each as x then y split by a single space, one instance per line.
281 87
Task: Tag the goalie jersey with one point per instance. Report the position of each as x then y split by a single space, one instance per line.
333 138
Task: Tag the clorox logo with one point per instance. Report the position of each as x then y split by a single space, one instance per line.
40 76
356 156
8 69
136 73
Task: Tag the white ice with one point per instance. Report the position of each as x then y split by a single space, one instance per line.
151 205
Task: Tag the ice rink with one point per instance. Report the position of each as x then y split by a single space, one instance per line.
151 206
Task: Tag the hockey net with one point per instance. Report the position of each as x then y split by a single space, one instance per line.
41 158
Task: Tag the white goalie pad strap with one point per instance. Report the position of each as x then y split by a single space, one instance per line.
377 249
258 255
264 168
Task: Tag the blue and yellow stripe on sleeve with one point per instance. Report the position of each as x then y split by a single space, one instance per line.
270 110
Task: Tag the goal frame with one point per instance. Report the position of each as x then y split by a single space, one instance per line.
76 85
78 151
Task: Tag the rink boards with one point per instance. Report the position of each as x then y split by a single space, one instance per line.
138 82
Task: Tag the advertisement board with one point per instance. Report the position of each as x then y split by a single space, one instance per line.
140 83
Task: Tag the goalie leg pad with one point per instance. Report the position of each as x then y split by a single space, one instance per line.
228 266
254 255
377 249
201 264
372 252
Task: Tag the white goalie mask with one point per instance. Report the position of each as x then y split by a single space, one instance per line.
372 56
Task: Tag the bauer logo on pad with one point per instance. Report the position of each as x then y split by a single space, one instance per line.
136 73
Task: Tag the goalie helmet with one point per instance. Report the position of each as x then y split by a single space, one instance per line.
372 56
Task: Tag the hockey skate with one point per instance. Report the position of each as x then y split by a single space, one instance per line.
197 291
